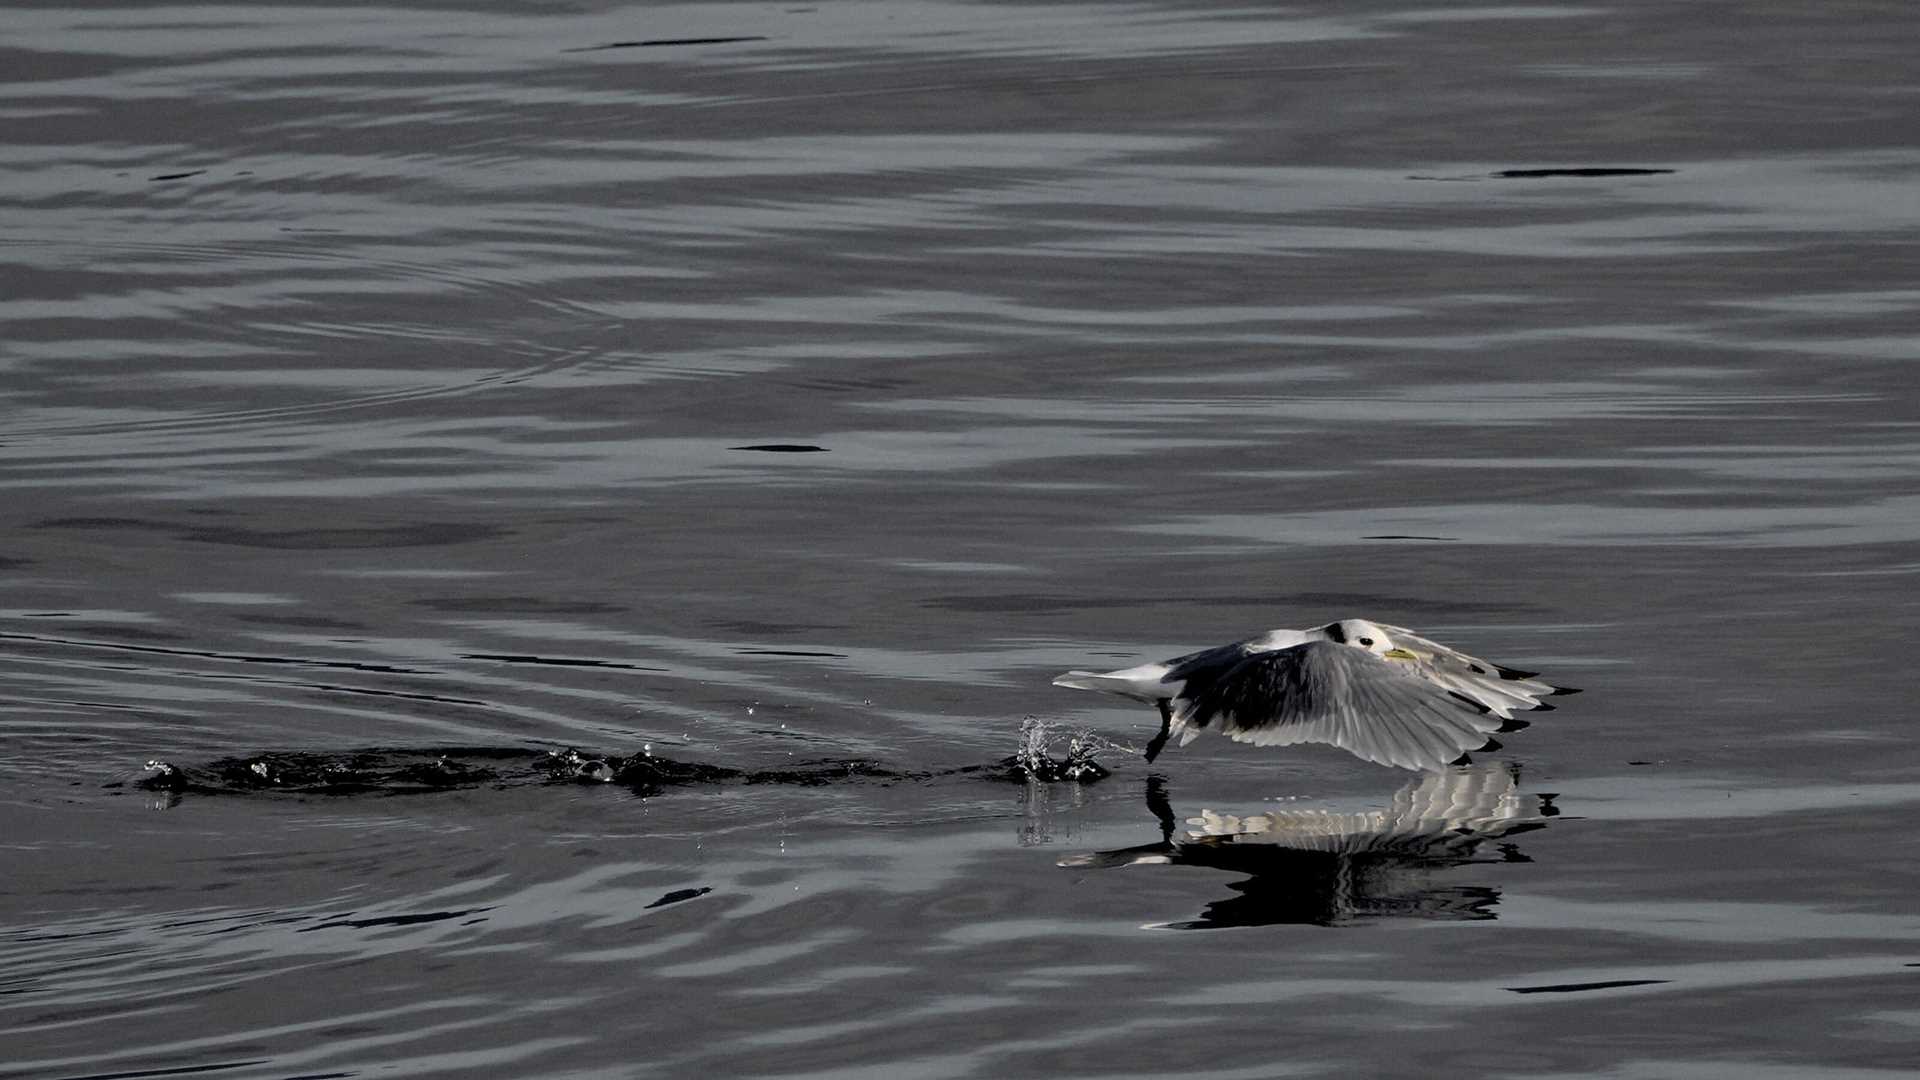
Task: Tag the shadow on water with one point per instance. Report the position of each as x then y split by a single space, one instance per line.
1332 868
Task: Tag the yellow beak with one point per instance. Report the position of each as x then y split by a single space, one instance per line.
1400 654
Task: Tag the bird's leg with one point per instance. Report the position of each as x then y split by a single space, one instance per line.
1166 729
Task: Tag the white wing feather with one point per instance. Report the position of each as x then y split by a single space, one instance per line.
1385 711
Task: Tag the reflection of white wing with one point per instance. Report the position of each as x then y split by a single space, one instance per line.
1441 810
1387 711
1330 867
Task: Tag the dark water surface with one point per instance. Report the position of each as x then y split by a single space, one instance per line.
433 376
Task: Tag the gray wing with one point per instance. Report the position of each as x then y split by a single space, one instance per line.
1502 689
1190 675
1380 710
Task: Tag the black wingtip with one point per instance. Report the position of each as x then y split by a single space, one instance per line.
1563 691
1481 706
1463 759
1514 673
1541 706
1489 746
1514 725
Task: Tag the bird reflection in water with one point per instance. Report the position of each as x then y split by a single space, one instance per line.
1331 868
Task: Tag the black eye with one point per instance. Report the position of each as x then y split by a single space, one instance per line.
1366 641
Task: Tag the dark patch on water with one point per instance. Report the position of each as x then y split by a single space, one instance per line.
1588 172
1409 536
1583 171
679 896
402 771
657 43
557 661
115 630
783 448
1580 988
95 523
393 920
178 175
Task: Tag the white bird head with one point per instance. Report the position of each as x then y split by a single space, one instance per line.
1361 634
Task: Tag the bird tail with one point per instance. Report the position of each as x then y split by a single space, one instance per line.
1112 683
1087 680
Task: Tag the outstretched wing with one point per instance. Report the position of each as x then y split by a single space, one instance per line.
1385 711
1502 689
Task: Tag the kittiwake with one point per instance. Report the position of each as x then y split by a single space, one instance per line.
1381 692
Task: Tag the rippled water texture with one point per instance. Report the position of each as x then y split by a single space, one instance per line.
773 398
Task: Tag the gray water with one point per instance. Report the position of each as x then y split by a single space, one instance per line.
379 378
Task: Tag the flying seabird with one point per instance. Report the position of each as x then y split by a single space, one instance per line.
1381 692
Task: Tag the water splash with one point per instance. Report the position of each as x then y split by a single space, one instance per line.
1035 759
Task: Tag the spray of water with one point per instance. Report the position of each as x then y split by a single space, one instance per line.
1035 757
